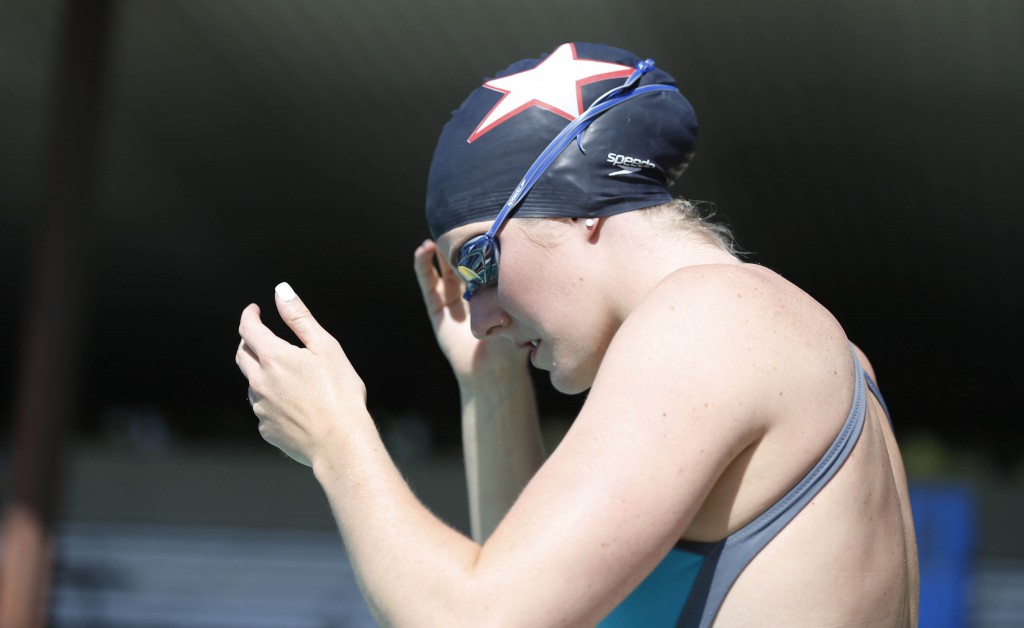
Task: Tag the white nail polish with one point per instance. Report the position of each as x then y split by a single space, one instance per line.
284 292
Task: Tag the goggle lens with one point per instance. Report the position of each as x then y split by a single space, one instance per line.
478 263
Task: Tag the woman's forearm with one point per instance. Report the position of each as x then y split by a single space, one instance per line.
501 443
393 541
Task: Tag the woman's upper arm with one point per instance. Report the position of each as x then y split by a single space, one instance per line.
666 415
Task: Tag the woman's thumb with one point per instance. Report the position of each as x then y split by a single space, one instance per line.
296 315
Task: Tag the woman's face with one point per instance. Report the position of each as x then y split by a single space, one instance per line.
543 297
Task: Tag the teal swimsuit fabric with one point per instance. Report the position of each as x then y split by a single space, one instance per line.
689 585
659 599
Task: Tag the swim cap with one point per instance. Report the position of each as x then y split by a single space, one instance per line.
625 160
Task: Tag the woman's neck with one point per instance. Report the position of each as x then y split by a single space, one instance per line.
639 256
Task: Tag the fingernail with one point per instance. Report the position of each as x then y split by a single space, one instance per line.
284 292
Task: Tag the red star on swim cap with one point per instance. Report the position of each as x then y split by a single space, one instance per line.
507 125
553 84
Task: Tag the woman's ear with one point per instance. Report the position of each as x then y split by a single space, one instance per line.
589 227
589 223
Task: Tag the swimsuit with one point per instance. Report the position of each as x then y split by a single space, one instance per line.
688 586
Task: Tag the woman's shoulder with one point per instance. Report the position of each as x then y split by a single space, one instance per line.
734 314
719 290
740 278
740 288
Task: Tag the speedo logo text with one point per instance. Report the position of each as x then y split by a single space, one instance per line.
629 164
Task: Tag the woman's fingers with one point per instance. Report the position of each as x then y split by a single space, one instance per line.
246 359
297 316
256 336
439 291
423 264
427 277
452 282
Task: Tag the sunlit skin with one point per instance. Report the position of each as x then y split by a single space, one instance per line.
534 303
713 386
541 285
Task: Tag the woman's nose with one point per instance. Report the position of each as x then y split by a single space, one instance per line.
486 318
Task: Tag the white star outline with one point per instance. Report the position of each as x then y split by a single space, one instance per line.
555 84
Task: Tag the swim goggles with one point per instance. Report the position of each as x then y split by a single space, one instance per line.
478 258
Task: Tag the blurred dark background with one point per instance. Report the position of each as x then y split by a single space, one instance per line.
869 152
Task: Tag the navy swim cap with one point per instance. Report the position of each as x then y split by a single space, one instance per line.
629 156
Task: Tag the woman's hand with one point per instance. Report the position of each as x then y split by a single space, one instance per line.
449 316
301 395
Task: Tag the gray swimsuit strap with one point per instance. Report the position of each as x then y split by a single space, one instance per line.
726 559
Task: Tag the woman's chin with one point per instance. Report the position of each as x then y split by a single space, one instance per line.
568 383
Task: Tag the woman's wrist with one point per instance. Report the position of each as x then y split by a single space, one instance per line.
351 440
484 380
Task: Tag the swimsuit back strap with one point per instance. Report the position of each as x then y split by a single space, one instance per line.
726 559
